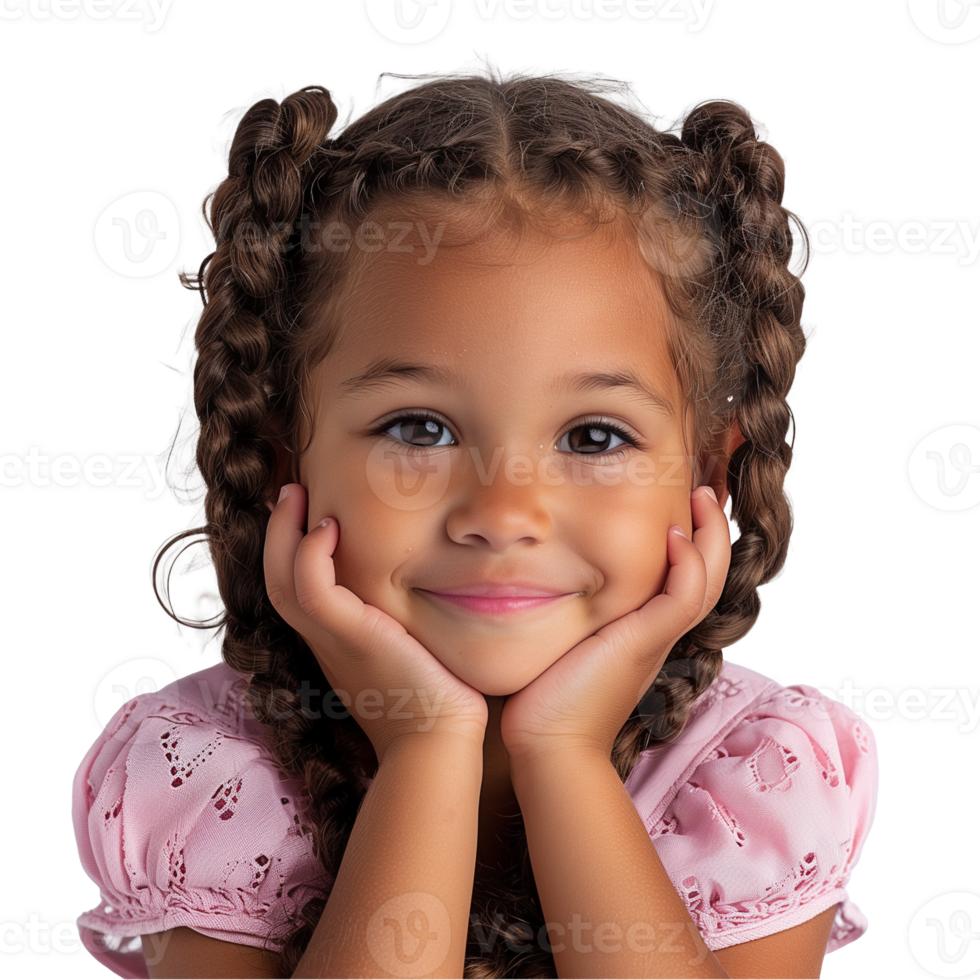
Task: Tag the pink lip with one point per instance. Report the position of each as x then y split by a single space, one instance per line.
497 605
497 590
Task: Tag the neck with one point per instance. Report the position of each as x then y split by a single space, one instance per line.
499 809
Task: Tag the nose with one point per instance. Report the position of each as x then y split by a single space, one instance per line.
498 514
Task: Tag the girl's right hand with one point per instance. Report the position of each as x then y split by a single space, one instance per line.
362 650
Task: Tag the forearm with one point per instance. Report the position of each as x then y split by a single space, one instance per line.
405 884
612 908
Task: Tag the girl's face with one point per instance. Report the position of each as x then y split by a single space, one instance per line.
519 473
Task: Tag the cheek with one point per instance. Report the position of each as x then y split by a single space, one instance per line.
635 566
387 503
374 536
346 471
627 542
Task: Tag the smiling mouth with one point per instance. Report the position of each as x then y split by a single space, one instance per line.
496 605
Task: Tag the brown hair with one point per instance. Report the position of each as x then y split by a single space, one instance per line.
461 143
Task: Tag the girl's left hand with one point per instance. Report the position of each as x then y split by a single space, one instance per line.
585 697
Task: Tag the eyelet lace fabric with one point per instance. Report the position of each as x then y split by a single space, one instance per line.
182 816
760 810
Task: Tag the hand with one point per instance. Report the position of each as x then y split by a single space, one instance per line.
362 650
585 697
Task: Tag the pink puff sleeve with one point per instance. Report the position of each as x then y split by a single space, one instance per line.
765 830
182 819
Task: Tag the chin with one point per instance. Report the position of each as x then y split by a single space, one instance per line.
495 690
496 676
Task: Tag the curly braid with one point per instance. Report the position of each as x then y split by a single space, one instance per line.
466 143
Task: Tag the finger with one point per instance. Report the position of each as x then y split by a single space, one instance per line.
327 606
685 586
283 536
713 539
659 622
647 635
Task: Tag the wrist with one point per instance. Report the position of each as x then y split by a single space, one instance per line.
556 754
459 743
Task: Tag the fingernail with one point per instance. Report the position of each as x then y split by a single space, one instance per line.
677 529
711 494
324 522
283 493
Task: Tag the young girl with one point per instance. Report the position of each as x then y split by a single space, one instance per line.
494 358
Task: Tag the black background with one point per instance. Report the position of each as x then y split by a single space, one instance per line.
871 112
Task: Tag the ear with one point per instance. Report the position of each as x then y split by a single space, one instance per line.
715 465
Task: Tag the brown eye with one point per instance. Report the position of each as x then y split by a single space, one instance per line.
594 439
418 431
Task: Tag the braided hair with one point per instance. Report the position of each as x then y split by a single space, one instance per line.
462 143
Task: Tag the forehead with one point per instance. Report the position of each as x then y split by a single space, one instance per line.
508 310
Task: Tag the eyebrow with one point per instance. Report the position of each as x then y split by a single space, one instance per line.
387 371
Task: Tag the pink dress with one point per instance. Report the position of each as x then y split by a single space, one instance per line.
182 818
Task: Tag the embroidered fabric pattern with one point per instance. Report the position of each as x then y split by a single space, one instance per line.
183 818
765 829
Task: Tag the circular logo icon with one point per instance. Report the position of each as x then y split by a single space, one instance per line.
127 681
137 235
944 468
409 935
944 935
408 21
679 235
947 21
407 481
